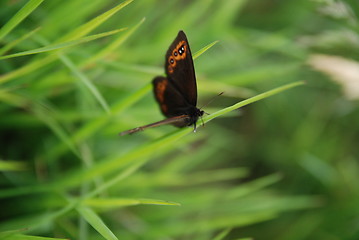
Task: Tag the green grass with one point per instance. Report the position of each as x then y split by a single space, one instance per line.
276 158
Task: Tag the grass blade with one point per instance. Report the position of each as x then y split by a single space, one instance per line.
62 45
8 233
45 115
222 234
28 68
7 96
96 222
204 49
28 237
83 78
251 100
96 124
12 166
92 24
19 16
115 44
10 45
110 203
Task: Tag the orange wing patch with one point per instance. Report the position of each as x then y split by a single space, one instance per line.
164 108
172 64
179 53
180 50
160 94
160 90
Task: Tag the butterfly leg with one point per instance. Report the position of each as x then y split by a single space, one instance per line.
194 127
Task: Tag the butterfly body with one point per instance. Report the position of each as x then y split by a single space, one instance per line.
176 93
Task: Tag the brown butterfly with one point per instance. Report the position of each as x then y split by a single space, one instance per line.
177 92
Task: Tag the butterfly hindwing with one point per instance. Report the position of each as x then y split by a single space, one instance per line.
180 70
169 98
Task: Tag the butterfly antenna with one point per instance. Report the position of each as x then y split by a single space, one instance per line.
206 112
211 101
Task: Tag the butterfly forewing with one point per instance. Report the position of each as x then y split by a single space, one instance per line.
180 70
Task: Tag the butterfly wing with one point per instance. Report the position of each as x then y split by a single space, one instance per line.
171 101
180 70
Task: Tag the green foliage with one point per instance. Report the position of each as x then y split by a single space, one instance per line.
73 74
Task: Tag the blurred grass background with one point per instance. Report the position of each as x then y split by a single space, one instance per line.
283 168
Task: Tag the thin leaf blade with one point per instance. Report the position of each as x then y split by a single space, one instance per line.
96 222
19 16
62 45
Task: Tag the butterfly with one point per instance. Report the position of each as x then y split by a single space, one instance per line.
177 92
